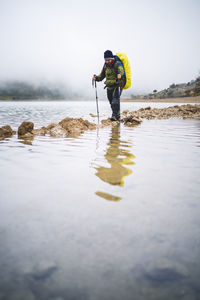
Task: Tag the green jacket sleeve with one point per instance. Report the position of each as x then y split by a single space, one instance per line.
101 76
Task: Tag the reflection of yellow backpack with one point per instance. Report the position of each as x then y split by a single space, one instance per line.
124 59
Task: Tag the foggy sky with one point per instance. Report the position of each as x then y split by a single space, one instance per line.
61 40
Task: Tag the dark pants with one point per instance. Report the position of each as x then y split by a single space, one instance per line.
114 99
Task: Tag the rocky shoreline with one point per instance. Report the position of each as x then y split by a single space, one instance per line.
74 127
187 111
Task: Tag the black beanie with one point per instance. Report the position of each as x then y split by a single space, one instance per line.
108 54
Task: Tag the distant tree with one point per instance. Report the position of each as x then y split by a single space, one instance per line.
172 86
197 86
169 94
24 90
154 91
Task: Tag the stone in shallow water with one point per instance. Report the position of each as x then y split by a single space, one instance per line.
25 127
108 196
42 270
50 126
164 271
71 123
164 275
108 122
93 116
6 131
75 126
1 133
41 131
58 131
131 121
184 111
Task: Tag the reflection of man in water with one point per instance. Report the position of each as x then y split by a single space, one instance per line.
117 156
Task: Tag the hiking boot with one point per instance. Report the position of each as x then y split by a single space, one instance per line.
115 118
112 117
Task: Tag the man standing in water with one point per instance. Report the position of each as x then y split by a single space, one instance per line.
114 73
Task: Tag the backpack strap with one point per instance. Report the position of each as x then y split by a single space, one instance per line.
119 62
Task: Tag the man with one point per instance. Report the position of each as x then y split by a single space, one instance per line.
113 71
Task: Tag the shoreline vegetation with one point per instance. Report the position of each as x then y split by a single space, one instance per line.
181 90
74 127
27 91
21 90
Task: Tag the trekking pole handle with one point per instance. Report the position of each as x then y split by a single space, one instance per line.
94 80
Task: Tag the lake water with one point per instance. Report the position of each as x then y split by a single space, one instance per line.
113 214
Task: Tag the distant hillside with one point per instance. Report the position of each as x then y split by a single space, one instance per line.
23 90
191 88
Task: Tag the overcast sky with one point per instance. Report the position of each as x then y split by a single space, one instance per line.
65 40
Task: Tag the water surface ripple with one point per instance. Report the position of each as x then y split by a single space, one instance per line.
113 214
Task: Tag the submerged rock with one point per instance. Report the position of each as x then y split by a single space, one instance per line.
69 127
1 133
164 271
6 131
130 120
44 273
183 111
41 271
70 123
163 275
27 135
41 131
108 196
75 126
57 131
50 126
134 118
93 116
25 129
108 122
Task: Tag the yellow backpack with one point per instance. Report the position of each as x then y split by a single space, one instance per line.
127 68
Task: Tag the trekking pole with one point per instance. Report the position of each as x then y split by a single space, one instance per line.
94 83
